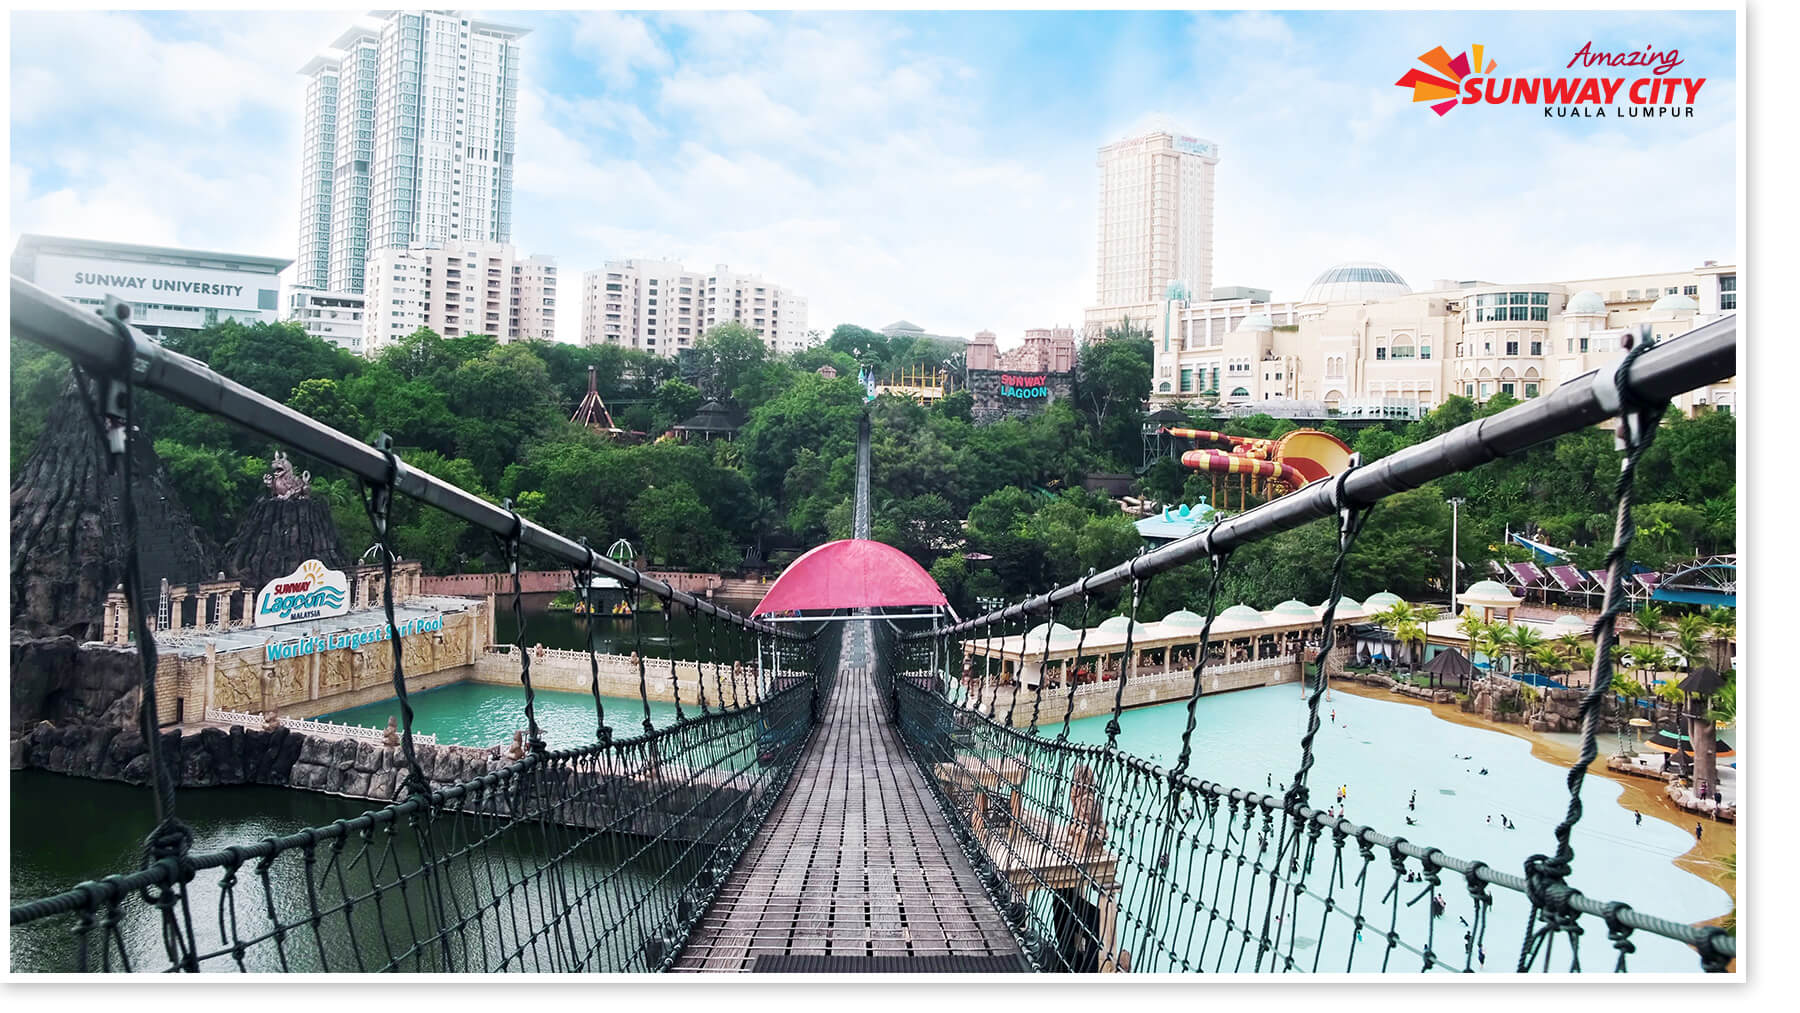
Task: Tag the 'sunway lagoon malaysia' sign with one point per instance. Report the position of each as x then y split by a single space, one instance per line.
341 640
1015 385
310 592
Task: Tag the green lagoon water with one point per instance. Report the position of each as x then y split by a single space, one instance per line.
478 714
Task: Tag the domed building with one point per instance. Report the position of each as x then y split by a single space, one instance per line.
1356 281
1361 342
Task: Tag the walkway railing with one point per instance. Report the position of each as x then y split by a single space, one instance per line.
597 858
329 729
1104 861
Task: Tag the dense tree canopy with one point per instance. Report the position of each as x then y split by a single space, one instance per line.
995 511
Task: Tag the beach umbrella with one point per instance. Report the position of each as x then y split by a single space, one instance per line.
1703 681
1669 741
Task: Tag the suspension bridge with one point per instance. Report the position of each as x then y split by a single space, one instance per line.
837 810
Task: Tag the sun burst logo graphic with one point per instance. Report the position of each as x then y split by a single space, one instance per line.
314 572
1441 87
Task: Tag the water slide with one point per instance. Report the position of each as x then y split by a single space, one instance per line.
1302 456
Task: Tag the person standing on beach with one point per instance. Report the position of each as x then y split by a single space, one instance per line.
1697 829
1639 816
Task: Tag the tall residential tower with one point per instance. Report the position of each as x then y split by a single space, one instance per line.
1155 224
415 119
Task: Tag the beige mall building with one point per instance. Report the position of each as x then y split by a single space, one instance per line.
1361 340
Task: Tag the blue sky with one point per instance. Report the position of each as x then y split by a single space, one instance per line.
938 168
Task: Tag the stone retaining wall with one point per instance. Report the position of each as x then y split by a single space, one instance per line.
571 671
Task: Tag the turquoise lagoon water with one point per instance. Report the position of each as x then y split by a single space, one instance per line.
1383 752
478 714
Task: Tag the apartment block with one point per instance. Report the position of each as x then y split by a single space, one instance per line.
469 289
662 307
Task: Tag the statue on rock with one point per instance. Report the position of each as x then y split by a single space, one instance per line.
283 483
283 529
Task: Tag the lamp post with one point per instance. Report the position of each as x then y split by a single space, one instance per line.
1455 502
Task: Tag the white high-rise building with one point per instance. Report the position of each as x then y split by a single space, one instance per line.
1155 225
318 166
476 288
662 307
353 148
420 145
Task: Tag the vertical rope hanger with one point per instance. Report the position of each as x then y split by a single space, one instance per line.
1087 600
1037 695
1350 522
637 640
602 730
1112 723
1212 612
668 609
171 839
378 501
1546 876
510 546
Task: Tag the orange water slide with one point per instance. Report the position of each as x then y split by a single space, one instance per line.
1220 462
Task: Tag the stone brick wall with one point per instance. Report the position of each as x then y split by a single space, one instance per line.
571 672
984 386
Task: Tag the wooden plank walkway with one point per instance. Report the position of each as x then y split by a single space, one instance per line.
856 860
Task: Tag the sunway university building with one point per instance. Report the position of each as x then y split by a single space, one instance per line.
166 286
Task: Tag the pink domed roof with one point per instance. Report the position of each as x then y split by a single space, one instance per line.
851 573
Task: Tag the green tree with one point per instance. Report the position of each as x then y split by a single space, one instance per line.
725 356
325 401
677 530
676 402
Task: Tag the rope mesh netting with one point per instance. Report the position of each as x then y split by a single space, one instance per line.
605 857
599 858
1103 861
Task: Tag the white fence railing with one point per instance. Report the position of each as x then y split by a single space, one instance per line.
329 729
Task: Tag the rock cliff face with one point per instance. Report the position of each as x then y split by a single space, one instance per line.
68 532
74 711
277 535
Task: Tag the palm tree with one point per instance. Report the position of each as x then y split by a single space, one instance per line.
1691 647
1570 644
1489 640
1548 659
1411 634
1724 631
1524 642
1650 620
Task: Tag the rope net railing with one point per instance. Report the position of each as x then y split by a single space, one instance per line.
595 858
1104 861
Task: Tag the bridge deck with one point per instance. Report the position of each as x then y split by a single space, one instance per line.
855 861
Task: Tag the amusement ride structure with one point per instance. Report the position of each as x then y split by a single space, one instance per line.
1265 467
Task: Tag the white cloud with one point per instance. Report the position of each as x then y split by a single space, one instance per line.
619 46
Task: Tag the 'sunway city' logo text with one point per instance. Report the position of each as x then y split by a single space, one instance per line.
1464 80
